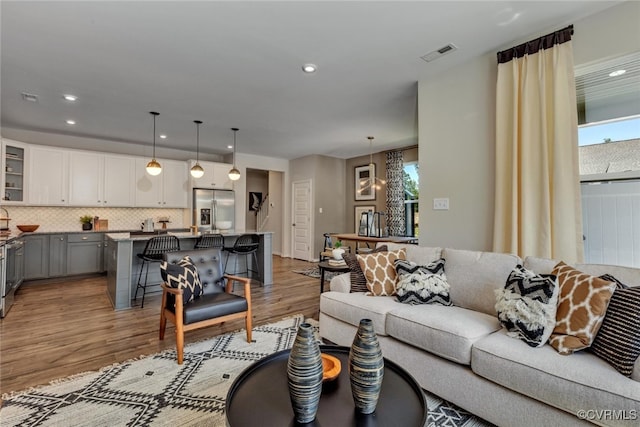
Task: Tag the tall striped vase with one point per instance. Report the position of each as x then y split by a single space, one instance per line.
366 368
304 372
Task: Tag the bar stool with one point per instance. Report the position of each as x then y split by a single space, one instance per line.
210 241
153 251
247 245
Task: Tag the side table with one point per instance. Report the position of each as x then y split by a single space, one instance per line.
325 266
260 397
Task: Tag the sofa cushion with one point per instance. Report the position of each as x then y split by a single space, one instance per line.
419 254
618 340
474 276
352 307
379 270
422 284
573 383
527 306
358 281
582 305
629 275
448 332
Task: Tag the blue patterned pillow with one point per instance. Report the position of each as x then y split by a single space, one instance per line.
183 275
421 284
527 305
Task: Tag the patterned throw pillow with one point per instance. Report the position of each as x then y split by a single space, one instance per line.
527 305
379 271
618 340
358 281
581 308
422 284
183 275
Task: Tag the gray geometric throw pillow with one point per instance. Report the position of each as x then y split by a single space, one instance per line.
422 284
183 275
527 305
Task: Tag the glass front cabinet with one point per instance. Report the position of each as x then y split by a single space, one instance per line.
14 156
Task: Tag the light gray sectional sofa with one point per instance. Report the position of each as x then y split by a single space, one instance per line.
462 354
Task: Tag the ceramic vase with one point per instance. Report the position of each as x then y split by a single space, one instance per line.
304 372
366 368
337 253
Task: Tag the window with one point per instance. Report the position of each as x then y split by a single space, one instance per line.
411 193
609 148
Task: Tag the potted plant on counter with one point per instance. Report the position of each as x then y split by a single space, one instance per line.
86 222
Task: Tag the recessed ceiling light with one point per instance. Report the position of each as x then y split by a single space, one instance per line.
163 136
617 73
70 97
71 122
230 147
309 68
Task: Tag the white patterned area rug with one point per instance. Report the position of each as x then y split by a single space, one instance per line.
156 391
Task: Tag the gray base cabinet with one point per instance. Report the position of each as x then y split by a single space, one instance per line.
57 255
84 253
36 257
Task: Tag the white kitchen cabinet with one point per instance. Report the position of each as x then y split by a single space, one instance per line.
14 171
167 190
216 176
84 178
97 179
48 176
119 184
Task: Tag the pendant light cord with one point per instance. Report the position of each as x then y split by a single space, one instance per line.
154 114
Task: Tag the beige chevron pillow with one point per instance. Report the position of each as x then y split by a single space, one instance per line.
380 272
582 305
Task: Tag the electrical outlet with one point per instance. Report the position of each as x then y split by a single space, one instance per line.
319 210
441 204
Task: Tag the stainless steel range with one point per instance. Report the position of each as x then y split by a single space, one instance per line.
12 274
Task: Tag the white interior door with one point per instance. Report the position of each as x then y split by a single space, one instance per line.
301 227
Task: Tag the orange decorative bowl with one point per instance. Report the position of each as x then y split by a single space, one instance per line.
330 367
28 228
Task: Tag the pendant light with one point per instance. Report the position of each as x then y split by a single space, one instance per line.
234 173
372 181
196 170
153 167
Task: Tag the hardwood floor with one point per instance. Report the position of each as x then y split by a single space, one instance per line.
59 329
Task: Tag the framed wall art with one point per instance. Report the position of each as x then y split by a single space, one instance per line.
364 190
358 211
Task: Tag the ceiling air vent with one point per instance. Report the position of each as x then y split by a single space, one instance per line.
440 52
29 97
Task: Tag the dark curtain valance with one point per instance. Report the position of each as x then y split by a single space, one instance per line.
533 46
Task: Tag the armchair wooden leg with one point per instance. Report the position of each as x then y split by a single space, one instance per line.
248 326
163 324
180 343
163 318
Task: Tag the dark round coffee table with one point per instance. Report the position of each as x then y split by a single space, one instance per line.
260 397
325 266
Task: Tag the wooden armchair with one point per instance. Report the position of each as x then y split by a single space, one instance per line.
215 305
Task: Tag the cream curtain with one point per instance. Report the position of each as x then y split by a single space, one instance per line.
537 204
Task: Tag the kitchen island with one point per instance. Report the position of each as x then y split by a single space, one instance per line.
123 265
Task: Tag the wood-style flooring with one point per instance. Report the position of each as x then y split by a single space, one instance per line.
57 329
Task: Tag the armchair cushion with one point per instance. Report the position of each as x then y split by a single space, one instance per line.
183 275
209 306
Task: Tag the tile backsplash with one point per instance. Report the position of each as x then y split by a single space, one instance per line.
68 218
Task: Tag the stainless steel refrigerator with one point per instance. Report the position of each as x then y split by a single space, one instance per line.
214 210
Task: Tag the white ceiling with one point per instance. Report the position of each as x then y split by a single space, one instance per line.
238 64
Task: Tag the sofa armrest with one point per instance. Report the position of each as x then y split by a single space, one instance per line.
341 283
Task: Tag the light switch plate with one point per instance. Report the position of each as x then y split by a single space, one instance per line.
441 204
